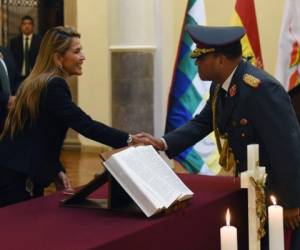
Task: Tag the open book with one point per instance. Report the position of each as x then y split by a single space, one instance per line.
147 178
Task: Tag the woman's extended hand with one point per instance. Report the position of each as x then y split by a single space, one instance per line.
63 182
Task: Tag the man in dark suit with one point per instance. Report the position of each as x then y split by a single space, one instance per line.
9 82
246 106
25 47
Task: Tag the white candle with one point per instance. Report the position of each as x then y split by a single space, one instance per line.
276 237
252 156
228 235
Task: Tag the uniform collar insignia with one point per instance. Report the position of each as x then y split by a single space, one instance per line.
232 90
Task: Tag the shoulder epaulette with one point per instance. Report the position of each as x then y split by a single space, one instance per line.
251 80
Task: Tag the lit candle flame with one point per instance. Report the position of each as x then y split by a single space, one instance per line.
273 199
228 217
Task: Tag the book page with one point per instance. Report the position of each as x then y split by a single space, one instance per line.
158 164
156 175
158 203
145 200
137 163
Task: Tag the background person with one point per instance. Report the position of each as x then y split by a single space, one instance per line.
25 47
9 82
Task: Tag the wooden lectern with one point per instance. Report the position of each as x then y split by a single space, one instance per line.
117 198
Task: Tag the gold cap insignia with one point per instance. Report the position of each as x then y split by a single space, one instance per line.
251 80
199 52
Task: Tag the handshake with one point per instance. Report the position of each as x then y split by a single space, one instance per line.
147 139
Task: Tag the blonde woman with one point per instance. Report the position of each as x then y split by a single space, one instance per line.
36 125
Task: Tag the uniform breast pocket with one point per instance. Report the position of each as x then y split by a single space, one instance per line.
242 129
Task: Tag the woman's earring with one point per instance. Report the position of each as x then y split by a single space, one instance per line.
59 66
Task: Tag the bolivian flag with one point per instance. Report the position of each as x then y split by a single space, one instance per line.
244 15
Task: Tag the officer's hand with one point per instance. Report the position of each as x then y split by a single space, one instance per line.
291 218
148 139
136 141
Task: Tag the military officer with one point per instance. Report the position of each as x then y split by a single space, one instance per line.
246 106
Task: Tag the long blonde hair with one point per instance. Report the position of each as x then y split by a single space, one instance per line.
26 105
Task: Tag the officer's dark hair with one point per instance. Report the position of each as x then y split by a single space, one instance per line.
231 51
27 17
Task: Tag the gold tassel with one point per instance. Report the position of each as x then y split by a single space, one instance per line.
231 163
223 153
227 159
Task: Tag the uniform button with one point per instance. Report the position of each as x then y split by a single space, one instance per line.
243 135
243 121
233 123
237 162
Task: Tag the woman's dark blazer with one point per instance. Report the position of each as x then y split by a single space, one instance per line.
35 151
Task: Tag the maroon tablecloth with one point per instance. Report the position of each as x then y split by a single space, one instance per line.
42 224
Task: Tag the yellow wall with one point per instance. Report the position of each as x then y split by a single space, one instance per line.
269 15
131 22
94 85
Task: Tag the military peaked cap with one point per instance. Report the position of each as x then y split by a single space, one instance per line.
213 39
